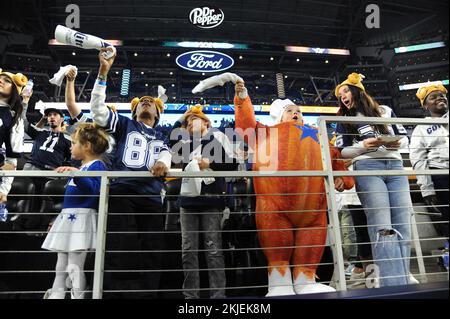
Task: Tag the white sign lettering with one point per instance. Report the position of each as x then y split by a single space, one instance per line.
198 61
206 17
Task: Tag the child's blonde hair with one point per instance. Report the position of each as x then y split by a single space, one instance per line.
90 132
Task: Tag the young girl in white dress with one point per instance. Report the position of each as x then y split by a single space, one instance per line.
73 232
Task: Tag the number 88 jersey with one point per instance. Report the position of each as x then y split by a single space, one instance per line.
138 148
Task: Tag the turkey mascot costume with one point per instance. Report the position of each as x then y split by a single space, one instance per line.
284 221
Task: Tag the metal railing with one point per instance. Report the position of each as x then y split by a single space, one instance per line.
335 240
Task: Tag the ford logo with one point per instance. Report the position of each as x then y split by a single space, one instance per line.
204 61
206 17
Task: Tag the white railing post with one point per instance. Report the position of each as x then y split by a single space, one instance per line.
99 267
336 241
418 249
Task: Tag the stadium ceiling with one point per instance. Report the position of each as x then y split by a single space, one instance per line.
324 23
26 26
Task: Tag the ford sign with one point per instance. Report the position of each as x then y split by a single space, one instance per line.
204 61
206 17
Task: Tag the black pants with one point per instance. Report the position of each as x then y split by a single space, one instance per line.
362 235
441 185
138 215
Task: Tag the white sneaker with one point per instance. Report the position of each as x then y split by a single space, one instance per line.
280 285
50 294
313 289
362 280
349 270
78 294
306 285
357 279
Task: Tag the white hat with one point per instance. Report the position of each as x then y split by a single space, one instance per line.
278 107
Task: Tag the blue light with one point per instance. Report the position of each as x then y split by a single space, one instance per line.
419 47
125 86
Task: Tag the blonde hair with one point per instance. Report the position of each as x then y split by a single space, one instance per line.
90 132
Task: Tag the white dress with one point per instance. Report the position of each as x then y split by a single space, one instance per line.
75 227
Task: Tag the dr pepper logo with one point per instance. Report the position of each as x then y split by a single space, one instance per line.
206 17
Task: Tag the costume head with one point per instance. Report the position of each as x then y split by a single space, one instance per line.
278 107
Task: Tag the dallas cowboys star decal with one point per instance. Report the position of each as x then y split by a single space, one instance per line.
308 131
72 217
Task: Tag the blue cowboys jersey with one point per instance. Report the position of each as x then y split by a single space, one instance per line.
138 148
366 130
50 149
82 192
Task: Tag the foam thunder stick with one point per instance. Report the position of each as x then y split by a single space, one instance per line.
82 40
216 80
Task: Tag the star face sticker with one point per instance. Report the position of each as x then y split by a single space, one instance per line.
308 131
72 217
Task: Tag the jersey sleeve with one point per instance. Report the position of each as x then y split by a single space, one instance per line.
116 124
342 138
165 155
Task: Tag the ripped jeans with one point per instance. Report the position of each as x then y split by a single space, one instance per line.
388 206
191 222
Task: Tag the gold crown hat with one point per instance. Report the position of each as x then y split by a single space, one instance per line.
424 91
353 79
159 101
196 110
18 79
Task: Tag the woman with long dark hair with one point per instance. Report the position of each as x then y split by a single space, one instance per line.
386 199
11 126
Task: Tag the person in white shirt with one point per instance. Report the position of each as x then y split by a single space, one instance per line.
429 150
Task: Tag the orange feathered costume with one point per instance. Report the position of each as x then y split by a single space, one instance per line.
290 211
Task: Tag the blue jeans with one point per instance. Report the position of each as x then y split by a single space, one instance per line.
388 206
191 222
